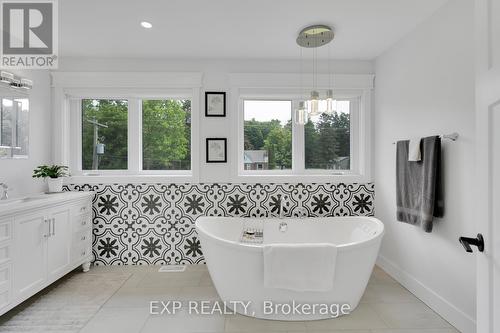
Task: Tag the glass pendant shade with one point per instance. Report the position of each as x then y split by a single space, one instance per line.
329 102
314 103
301 114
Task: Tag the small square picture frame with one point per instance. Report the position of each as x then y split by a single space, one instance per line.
216 150
215 104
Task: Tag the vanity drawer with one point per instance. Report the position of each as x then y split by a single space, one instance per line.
83 237
5 230
4 298
83 207
81 252
5 252
82 221
5 279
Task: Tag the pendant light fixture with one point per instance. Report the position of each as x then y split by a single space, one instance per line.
331 104
301 116
314 103
313 37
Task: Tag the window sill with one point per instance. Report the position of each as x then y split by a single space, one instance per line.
242 178
134 179
301 178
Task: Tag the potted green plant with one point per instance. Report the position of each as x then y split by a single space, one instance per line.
54 175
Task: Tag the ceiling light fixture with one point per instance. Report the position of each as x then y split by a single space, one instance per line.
146 25
313 37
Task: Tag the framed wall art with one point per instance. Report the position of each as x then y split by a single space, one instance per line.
215 104
216 150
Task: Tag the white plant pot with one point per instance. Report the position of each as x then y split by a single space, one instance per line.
55 184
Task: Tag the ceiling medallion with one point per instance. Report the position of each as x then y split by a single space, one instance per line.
315 36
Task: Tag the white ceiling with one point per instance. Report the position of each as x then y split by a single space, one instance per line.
240 29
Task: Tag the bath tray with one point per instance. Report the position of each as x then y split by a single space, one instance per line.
252 235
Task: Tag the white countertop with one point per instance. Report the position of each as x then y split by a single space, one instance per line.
20 204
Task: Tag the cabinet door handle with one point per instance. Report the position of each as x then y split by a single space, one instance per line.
48 234
53 226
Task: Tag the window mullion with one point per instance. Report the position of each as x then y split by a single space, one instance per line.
76 140
298 146
355 133
134 135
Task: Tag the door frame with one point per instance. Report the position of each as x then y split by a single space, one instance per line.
487 102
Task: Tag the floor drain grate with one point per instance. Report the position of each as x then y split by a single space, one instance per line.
172 269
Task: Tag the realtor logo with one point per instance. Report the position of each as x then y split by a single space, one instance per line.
29 34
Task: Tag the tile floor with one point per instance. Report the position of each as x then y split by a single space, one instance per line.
385 308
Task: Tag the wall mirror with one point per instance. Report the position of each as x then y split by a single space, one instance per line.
14 124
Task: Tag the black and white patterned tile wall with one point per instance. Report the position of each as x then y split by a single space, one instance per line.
141 224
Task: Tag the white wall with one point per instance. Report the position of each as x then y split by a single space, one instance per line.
17 172
216 77
425 86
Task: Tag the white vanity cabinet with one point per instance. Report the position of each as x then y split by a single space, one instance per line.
42 239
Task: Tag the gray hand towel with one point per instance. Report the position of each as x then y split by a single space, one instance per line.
419 195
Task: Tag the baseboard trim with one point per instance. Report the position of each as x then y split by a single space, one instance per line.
460 320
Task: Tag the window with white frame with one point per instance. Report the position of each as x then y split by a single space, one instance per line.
134 135
327 139
104 134
267 134
273 143
166 134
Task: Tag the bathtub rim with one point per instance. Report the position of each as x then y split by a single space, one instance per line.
258 247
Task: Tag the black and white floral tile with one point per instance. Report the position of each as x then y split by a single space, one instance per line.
141 224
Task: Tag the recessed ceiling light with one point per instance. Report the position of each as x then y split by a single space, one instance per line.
146 25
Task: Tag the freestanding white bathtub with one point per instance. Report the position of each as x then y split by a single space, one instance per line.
237 268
